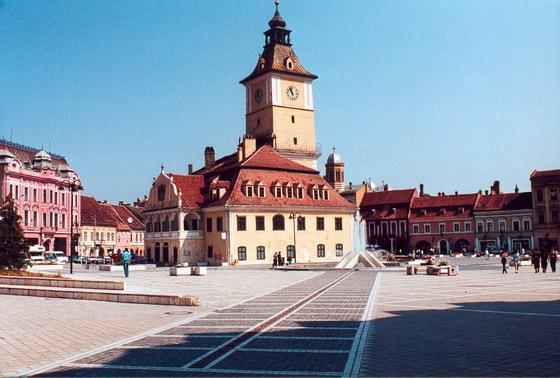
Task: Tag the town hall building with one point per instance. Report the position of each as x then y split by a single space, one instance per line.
267 197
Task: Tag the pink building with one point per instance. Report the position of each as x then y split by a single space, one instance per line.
39 184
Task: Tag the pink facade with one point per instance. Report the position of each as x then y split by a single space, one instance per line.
40 187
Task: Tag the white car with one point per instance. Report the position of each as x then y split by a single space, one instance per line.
61 257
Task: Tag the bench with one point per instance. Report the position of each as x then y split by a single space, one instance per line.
447 270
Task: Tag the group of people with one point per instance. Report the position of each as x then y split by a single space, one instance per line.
278 260
539 259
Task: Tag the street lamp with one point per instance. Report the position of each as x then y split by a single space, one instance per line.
293 216
74 185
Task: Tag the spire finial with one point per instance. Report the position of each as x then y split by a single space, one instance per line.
276 3
334 149
162 167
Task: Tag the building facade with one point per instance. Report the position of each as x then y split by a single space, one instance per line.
108 229
39 184
545 188
504 221
443 223
386 213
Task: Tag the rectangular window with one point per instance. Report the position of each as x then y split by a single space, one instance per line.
300 193
467 227
527 225
242 253
291 251
51 223
44 195
553 194
249 191
540 217
278 192
516 225
63 220
34 195
339 250
56 198
26 193
427 229
502 226
56 220
301 223
261 191
210 252
490 226
415 229
337 224
554 216
241 223
63 199
26 217
320 223
321 250
441 228
17 191
219 224
480 227
259 222
45 220
35 220
260 253
51 198
208 224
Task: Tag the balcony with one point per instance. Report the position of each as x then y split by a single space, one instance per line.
194 234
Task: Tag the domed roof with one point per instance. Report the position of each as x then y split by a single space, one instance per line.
334 158
42 155
65 168
277 21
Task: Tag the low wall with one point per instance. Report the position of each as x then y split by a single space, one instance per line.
61 282
43 267
119 268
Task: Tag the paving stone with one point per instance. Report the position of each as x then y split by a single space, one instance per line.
143 357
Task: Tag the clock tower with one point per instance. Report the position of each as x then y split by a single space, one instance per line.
279 98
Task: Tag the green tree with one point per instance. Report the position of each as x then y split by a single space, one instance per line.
13 249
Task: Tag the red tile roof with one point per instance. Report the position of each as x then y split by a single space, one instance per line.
272 60
94 213
385 213
268 177
26 154
125 215
389 197
454 200
504 201
191 188
553 172
267 158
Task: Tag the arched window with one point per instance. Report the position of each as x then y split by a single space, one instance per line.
339 250
278 223
260 253
242 253
186 224
161 193
173 223
291 251
320 250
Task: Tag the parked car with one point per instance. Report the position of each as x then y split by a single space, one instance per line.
61 257
50 258
79 259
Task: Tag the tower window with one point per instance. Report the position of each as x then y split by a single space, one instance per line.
295 141
293 119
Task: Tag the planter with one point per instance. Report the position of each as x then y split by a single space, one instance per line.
174 271
43 267
198 270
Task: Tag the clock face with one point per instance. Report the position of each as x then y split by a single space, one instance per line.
292 92
258 95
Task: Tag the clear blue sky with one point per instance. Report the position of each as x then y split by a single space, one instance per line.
450 93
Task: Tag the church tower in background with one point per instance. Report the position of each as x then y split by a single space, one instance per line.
279 98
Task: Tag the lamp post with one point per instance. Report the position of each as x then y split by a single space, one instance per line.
73 184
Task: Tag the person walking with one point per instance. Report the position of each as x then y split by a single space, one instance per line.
544 260
553 257
275 260
126 257
486 253
504 262
536 259
516 261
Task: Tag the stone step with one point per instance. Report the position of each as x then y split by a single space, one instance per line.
99 295
61 283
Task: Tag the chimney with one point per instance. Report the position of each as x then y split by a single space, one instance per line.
190 169
209 156
350 184
495 188
421 190
247 147
486 192
386 187
516 190
456 192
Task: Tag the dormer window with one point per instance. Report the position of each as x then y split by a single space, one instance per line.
278 192
289 63
423 212
325 194
249 191
260 191
441 211
299 192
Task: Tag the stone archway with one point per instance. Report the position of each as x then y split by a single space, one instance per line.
423 245
443 247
